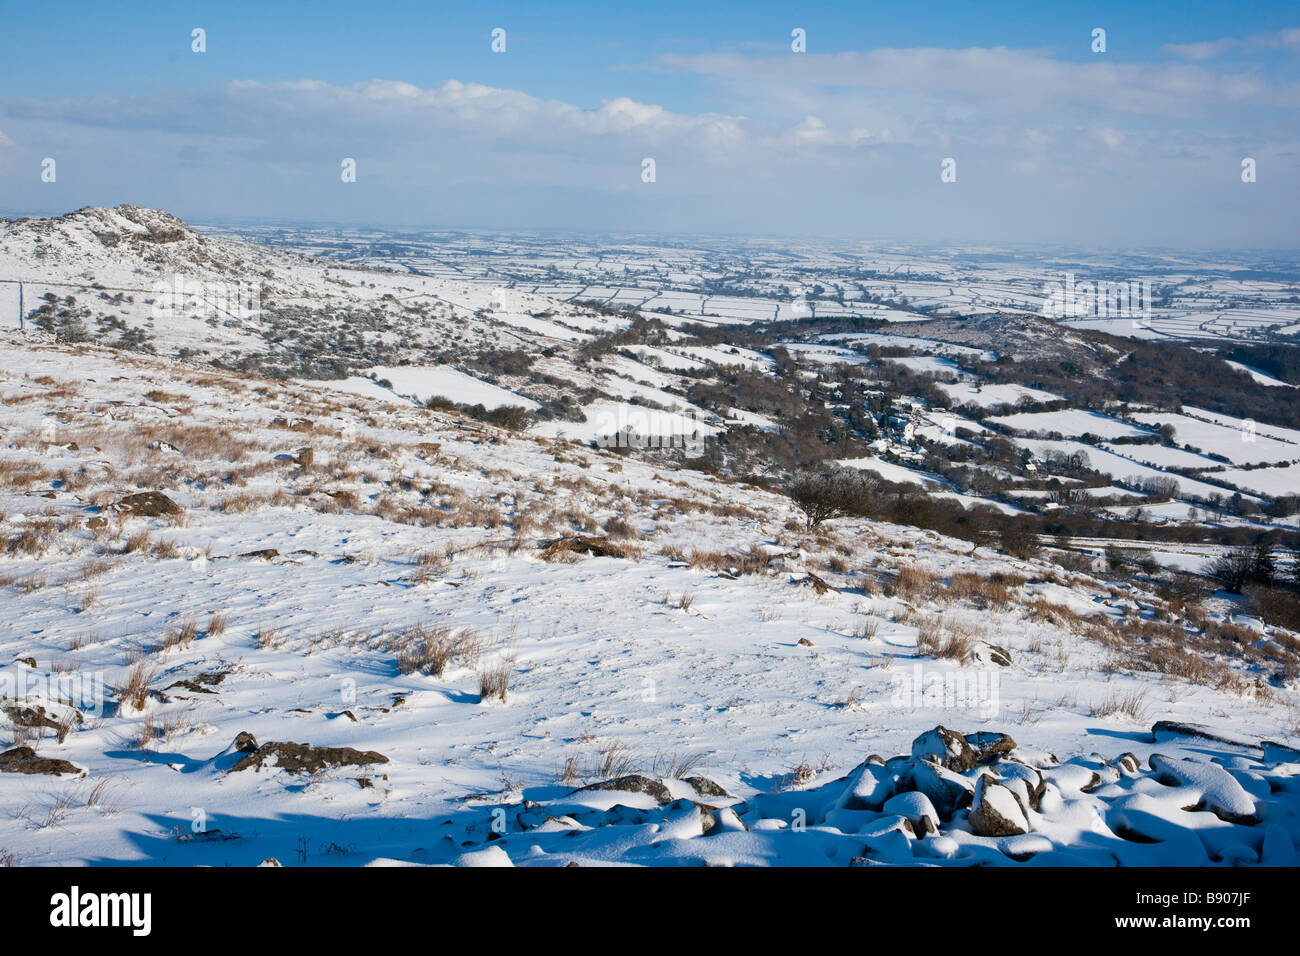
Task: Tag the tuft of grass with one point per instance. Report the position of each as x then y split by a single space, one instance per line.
135 690
137 542
1132 705
913 583
937 637
866 628
494 682
217 624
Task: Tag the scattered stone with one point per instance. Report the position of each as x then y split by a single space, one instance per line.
191 686
1127 763
24 760
708 788
868 786
990 746
206 836
729 821
148 504
304 758
1174 728
916 809
995 812
1013 772
634 783
948 791
946 748
986 653
818 585
37 717
1072 777
1221 794
265 554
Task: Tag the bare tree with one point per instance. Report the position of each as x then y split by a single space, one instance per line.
838 494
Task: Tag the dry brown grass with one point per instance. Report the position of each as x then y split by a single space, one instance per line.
494 682
165 549
913 583
216 624
993 592
34 540
430 649
135 690
180 638
1132 705
747 562
939 637
866 628
137 542
19 475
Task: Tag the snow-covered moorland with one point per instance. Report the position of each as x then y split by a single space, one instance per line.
247 618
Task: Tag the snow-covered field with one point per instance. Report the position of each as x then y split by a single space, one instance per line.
410 591
1072 423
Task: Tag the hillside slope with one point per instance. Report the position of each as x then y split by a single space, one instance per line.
490 620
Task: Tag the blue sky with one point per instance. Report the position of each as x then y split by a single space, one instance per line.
1139 145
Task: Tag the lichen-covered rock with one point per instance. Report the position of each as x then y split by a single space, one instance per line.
304 758
634 783
148 504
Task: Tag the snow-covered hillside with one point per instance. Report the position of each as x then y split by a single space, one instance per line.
247 618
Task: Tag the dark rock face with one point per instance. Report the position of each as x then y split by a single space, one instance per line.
947 748
707 788
304 758
148 504
990 746
24 760
264 554
634 783
995 811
